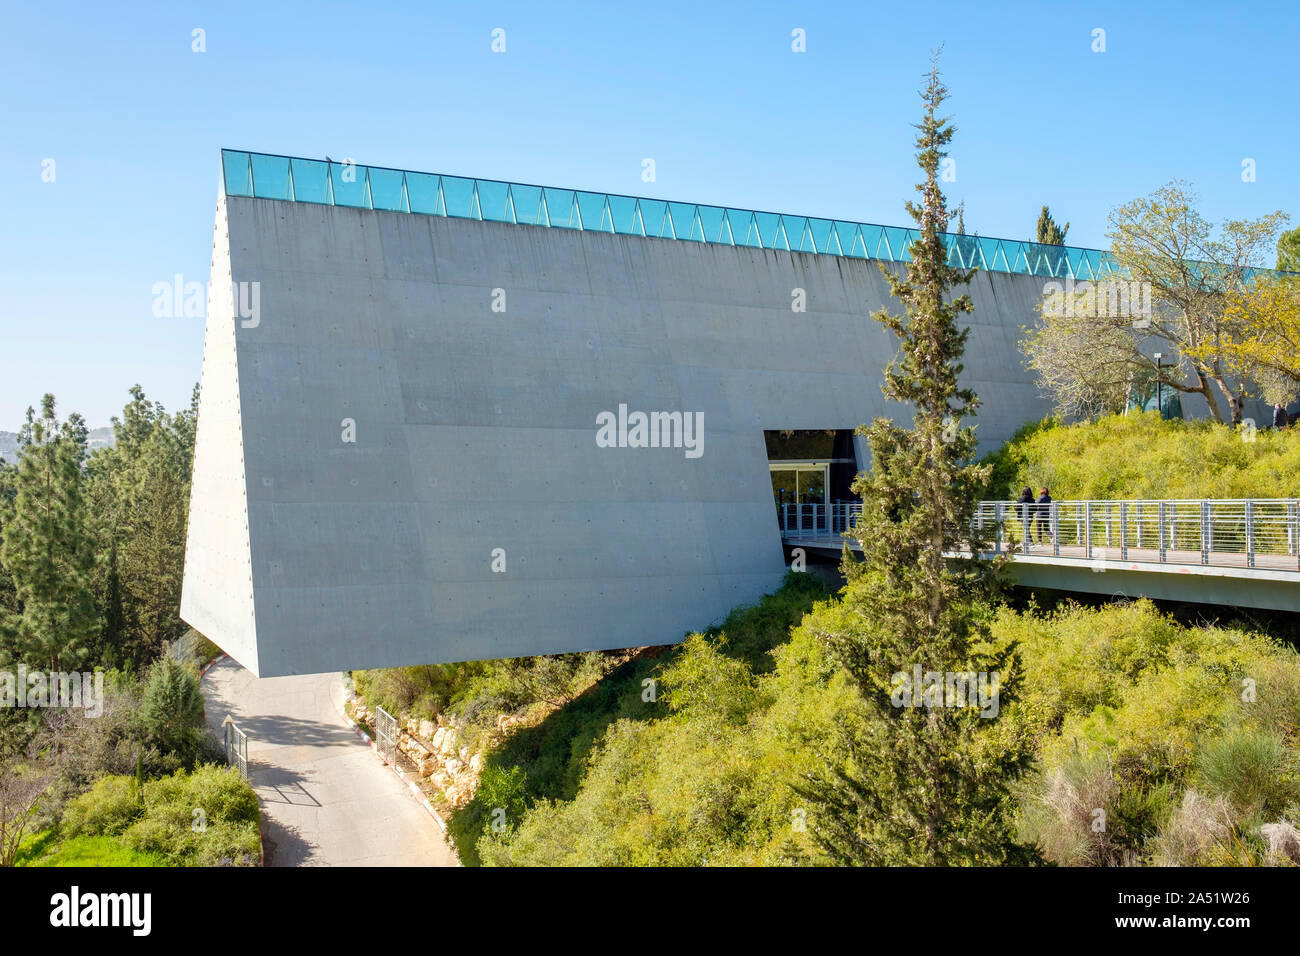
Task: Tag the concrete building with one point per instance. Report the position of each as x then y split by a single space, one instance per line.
418 437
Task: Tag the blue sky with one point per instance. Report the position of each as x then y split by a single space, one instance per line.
134 119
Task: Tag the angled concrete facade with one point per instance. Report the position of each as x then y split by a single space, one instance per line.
472 360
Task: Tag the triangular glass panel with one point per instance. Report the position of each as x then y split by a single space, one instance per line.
492 197
348 185
743 228
562 208
820 230
654 216
270 177
1074 258
623 215
1020 259
697 226
311 181
1000 262
806 241
726 236
843 233
781 239
458 197
896 240
237 171
386 189
1086 262
858 247
767 224
594 214
527 201
683 219
711 223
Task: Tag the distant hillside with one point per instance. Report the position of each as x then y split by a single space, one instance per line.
97 438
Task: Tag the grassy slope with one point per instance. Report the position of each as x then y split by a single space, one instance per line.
46 849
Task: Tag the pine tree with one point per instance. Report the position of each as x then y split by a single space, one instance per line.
1049 233
140 487
113 637
46 547
921 785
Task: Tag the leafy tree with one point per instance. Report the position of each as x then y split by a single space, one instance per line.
921 785
1163 241
1288 250
1087 356
1262 334
1049 233
47 548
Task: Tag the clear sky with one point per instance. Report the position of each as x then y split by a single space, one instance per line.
713 92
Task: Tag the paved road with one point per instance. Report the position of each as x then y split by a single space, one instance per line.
326 798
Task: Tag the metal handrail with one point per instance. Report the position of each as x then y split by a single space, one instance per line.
1246 532
1164 531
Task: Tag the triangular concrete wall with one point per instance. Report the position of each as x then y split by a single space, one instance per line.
217 596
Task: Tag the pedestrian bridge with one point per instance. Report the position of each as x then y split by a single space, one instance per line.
1236 552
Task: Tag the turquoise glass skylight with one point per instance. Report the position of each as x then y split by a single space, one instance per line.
264 176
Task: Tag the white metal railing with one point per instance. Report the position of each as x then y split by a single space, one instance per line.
1251 532
818 519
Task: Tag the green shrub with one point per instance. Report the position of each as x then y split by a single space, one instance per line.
171 706
1140 456
108 808
163 819
1251 769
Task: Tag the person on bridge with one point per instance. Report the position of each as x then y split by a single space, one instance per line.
1042 521
1025 508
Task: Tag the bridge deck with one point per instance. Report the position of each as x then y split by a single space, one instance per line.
1100 554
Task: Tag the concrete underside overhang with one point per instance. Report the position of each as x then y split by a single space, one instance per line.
1198 584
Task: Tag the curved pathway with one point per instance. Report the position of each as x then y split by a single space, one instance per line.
326 798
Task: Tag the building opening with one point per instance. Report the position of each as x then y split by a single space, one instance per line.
812 474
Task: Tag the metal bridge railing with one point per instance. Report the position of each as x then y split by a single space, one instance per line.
818 520
1240 532
1245 532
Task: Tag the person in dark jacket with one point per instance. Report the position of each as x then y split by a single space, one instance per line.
1042 519
1025 509
1280 419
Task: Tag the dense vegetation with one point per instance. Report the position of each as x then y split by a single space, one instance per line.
92 543
549 760
91 559
205 818
475 693
1136 455
1116 735
1152 743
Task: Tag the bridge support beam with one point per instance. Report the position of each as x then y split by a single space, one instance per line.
1233 587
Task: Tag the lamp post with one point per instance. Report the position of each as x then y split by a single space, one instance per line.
1160 407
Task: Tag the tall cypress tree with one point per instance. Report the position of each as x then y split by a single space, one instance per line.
1049 233
46 547
922 784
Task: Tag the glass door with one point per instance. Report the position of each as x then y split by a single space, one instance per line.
799 492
